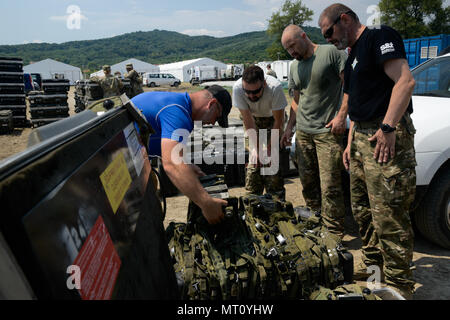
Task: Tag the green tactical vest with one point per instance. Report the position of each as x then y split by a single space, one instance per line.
262 249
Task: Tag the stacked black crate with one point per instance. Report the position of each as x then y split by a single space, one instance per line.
51 104
6 121
86 92
225 153
79 94
12 90
220 151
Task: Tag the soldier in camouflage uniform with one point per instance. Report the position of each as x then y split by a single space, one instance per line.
261 102
135 80
380 154
316 112
111 85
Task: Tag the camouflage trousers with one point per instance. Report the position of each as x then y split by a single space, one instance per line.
136 89
255 182
381 196
319 158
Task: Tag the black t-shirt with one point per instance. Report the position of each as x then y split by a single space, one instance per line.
366 83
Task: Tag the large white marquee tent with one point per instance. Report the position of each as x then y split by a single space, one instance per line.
181 69
138 65
50 69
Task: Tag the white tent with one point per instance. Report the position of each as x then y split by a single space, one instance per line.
181 69
138 65
50 69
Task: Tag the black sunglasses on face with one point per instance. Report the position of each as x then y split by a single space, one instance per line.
329 33
254 92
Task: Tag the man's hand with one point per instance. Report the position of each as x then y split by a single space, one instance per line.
286 138
346 158
197 170
338 125
385 146
213 210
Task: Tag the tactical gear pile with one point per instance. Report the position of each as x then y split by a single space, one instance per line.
263 249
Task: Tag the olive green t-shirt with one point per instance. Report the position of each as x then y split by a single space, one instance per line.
319 84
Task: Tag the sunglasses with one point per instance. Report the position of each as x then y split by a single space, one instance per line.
253 92
329 33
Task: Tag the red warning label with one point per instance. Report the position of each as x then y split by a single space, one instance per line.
99 264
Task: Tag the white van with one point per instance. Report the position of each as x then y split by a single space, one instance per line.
160 79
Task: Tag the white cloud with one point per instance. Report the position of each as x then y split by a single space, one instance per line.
203 32
259 24
34 41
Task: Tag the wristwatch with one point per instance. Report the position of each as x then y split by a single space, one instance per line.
386 128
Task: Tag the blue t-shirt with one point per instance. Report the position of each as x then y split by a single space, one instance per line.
167 113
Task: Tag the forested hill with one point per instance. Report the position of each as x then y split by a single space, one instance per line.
156 47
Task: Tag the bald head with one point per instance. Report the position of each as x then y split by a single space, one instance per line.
296 42
292 32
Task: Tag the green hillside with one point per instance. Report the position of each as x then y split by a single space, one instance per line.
156 47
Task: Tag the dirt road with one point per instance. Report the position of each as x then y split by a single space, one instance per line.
432 262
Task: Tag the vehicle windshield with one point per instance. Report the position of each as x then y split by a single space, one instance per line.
433 78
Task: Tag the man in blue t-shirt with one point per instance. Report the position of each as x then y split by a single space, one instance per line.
172 117
378 86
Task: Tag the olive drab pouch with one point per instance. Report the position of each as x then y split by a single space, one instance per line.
262 249
345 292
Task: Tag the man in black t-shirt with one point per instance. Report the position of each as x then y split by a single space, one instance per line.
380 153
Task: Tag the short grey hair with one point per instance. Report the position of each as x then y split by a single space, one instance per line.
335 10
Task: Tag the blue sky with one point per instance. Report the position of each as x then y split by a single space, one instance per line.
58 21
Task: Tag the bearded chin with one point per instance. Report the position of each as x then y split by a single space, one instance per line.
343 44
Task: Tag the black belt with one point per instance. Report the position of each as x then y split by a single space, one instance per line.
375 123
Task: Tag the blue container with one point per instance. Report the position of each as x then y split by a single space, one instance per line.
420 50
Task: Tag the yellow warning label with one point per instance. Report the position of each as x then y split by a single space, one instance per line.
116 180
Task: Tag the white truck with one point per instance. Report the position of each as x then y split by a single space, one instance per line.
431 116
201 74
232 72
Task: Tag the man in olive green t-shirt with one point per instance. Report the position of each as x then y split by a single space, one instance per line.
316 78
